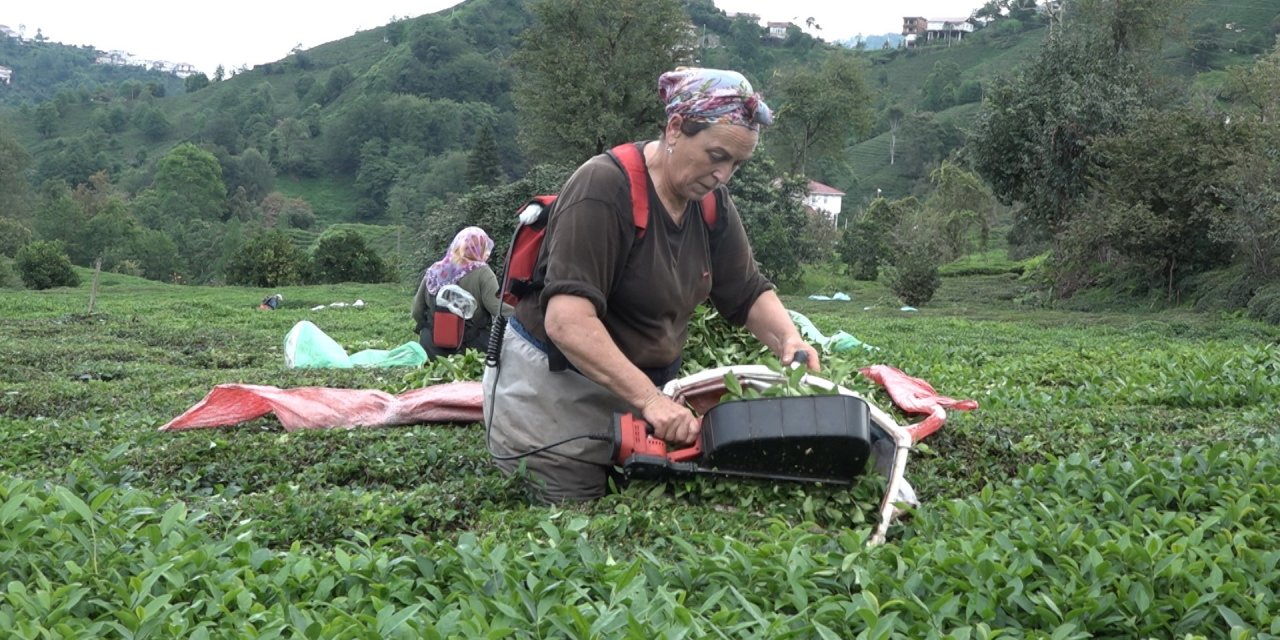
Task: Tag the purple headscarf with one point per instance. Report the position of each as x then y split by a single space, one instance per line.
713 95
468 251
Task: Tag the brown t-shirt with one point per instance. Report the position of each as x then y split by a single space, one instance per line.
644 291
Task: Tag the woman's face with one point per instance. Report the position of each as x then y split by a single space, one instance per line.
707 160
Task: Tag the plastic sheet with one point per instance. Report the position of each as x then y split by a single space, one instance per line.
306 346
914 395
322 407
835 343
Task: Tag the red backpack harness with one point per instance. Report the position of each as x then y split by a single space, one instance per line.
522 257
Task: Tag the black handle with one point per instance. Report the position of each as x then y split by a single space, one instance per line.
801 358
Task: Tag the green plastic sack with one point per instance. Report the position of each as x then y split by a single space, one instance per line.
839 341
306 346
409 354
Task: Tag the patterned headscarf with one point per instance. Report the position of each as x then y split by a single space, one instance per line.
469 250
713 95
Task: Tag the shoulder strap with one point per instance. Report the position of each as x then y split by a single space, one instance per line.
711 208
631 159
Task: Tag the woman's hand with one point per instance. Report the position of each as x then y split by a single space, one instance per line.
795 344
671 422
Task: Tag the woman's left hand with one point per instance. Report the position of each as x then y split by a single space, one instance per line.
794 345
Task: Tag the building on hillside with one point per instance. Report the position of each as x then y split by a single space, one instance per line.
916 28
115 57
777 30
6 31
825 199
6 75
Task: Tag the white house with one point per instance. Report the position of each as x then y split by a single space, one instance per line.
778 30
825 199
6 75
915 28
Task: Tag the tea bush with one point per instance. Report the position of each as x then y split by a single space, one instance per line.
344 256
1119 480
44 265
268 259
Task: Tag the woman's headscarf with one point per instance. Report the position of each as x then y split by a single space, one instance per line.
469 250
713 95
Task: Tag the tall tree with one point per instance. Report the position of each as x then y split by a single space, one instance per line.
484 165
1034 139
587 71
941 86
819 110
188 186
14 162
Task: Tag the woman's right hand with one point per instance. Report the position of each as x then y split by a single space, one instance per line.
671 421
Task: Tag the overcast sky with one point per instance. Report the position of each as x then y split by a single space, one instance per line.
240 32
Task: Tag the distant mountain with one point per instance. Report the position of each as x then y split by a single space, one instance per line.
40 70
872 43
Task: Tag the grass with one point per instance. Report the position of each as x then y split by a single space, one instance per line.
1118 435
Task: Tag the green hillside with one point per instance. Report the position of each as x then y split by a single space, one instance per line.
43 70
378 128
900 76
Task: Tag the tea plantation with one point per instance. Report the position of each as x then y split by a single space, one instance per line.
1120 480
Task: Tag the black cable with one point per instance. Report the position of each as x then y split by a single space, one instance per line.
602 437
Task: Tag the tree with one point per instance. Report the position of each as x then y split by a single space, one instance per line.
924 141
820 110
772 210
1204 42
1160 186
219 73
894 117
268 259
44 265
962 202
195 82
484 166
303 86
1251 186
586 74
339 78
13 236
865 245
188 186
152 122
47 118
1033 140
14 162
249 171
344 256
941 86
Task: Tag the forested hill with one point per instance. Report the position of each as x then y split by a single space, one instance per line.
432 83
392 125
42 70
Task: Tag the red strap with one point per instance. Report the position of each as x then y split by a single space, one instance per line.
632 161
709 211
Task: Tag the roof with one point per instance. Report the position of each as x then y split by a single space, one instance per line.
819 189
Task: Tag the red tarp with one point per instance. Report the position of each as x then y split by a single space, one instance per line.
914 395
321 407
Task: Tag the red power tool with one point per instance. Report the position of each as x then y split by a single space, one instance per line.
808 439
